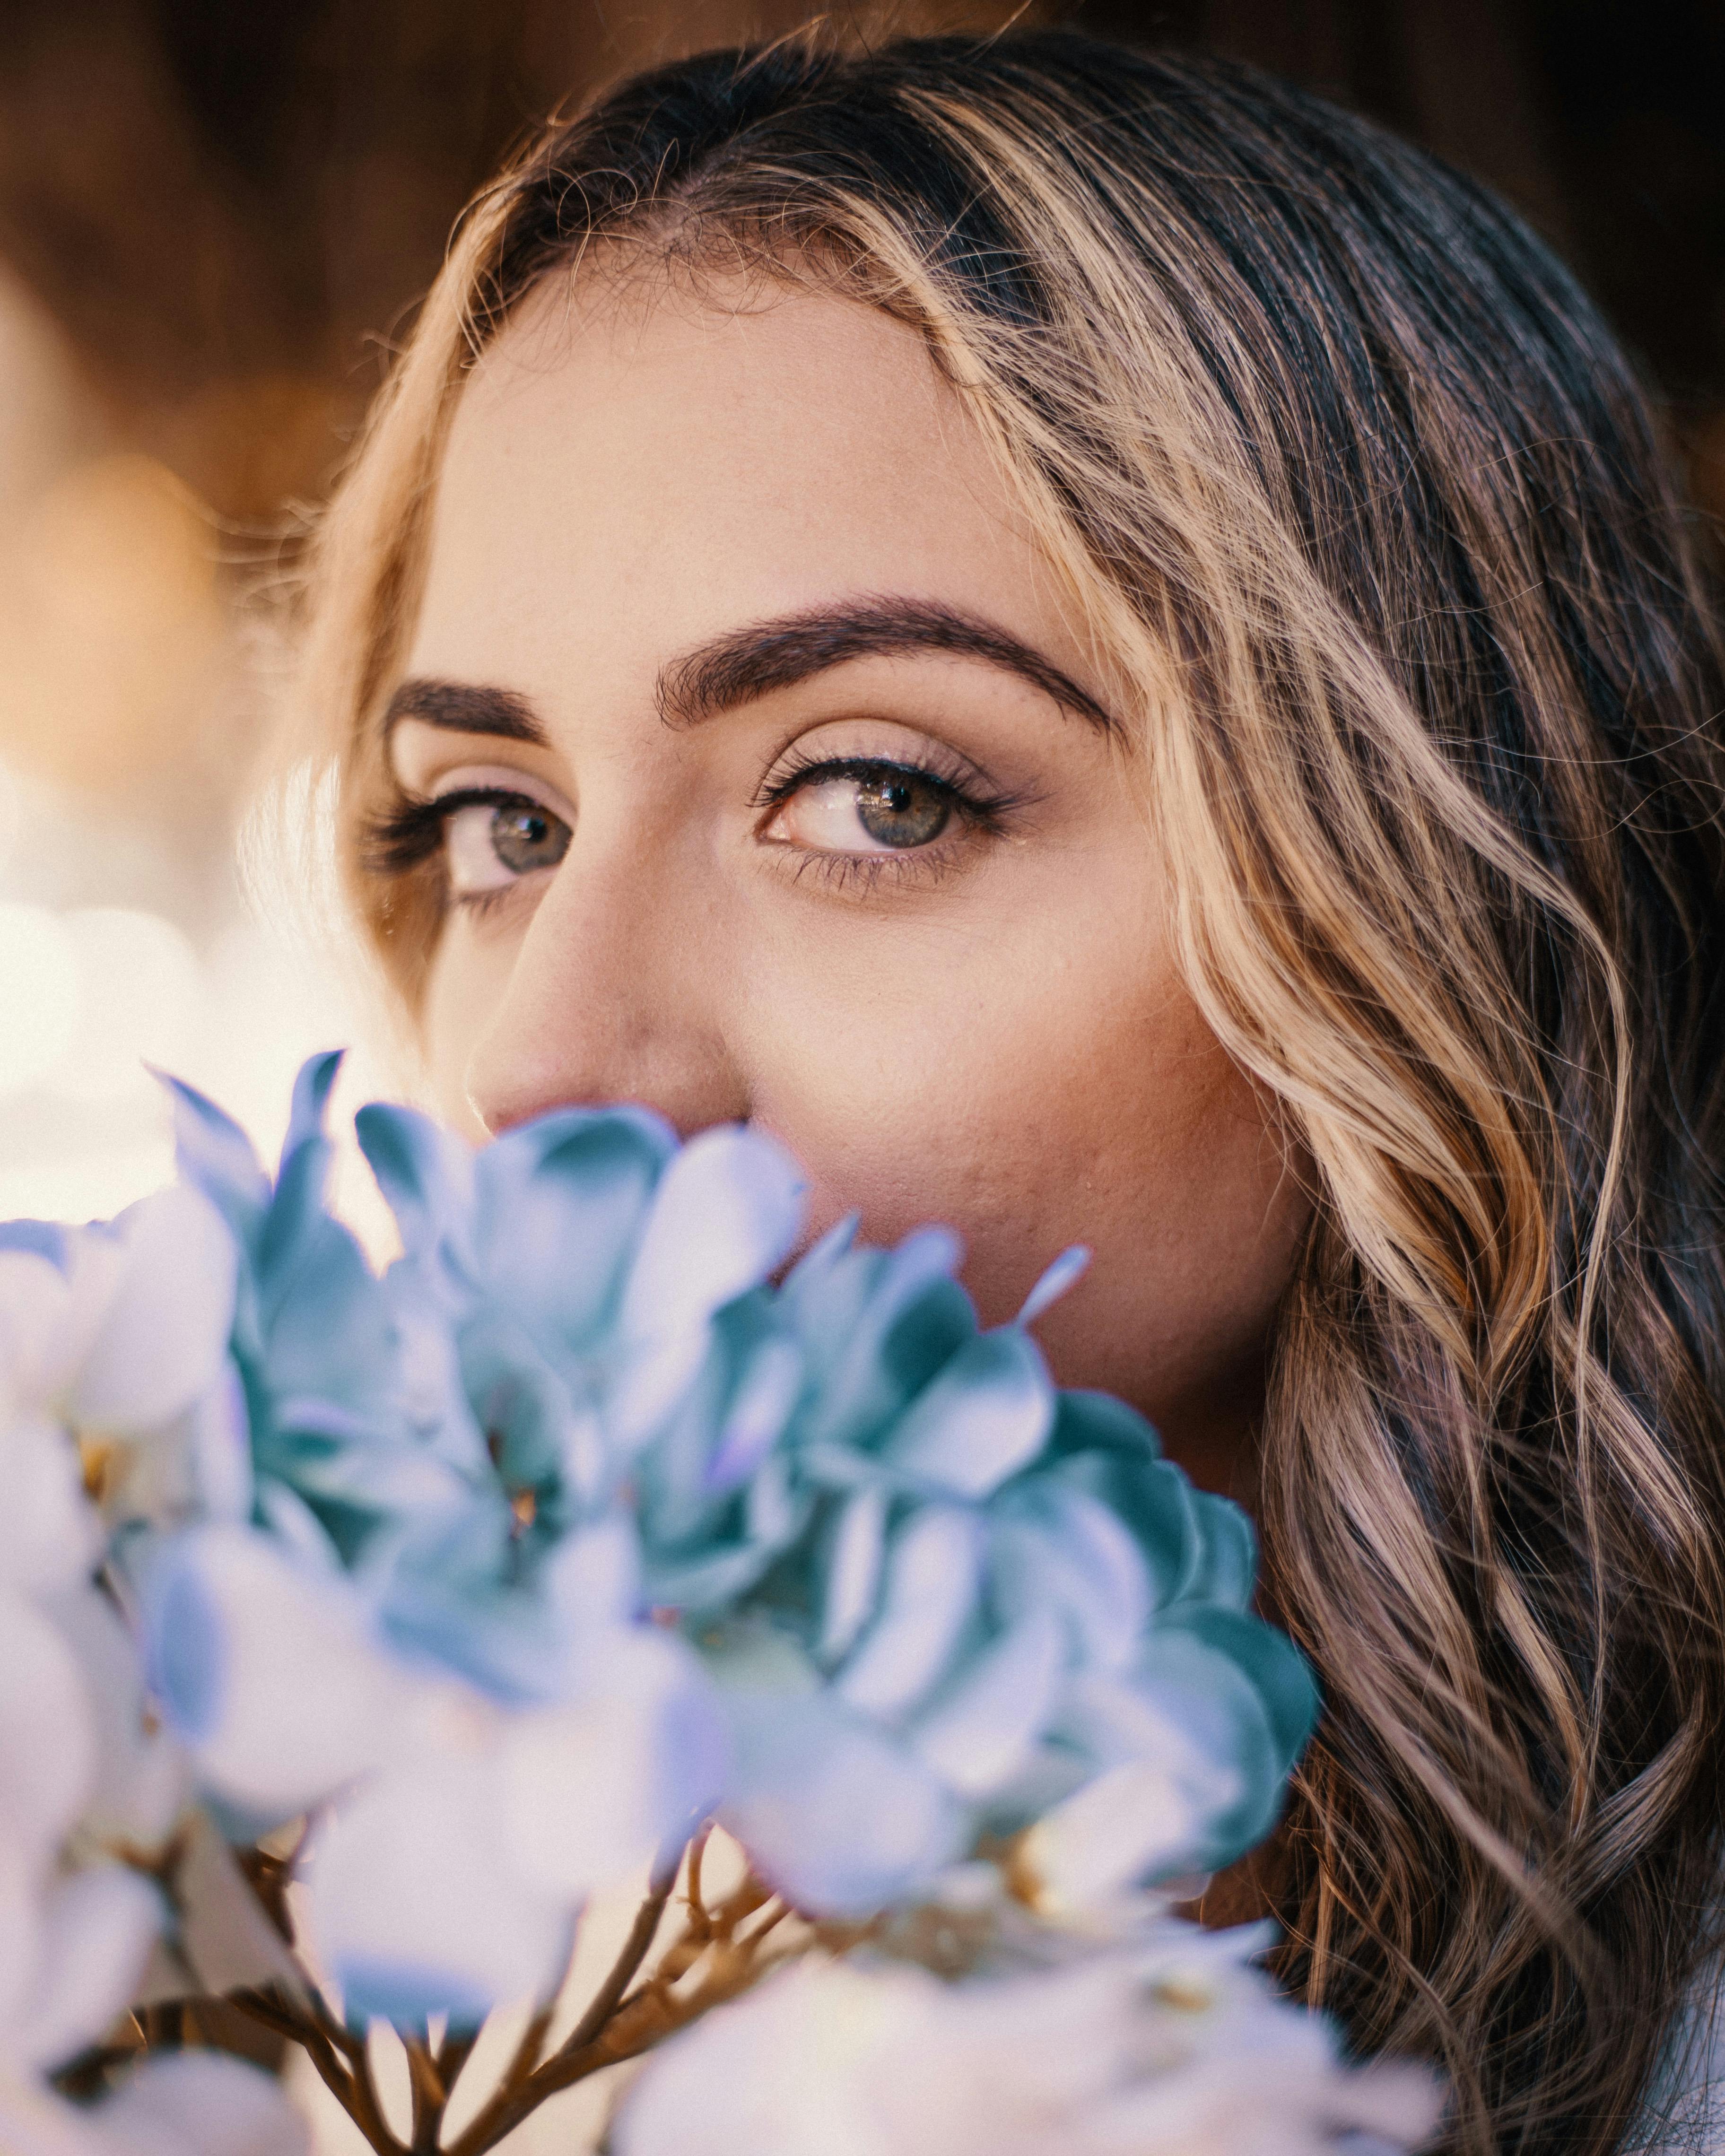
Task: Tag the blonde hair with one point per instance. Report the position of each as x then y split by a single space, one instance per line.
1362 512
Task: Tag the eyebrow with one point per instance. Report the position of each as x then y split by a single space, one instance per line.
745 663
749 662
461 708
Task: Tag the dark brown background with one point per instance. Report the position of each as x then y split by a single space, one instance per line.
226 203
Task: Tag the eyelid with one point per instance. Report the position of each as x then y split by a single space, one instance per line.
496 778
806 757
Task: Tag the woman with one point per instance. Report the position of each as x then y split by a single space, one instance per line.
1105 649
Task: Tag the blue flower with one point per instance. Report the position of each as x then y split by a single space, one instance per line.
315 1346
943 1598
558 1291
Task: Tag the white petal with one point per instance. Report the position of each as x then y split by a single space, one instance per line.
786 2071
43 1329
1132 1821
47 1737
97 1930
591 1789
49 1534
34 2122
165 1329
20 1933
197 2103
413 1908
142 1778
266 1671
841 1819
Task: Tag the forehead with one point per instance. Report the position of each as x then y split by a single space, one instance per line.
638 462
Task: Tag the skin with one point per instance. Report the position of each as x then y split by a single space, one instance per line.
987 1029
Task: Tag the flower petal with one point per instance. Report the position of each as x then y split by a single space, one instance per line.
728 1211
839 1819
198 2103
426 1175
979 1732
932 1579
415 1910
591 1789
97 1930
265 1670
986 1414
165 1332
48 1735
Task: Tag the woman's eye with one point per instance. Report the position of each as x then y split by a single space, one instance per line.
883 810
489 844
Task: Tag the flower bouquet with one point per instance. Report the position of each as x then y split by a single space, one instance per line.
362 1631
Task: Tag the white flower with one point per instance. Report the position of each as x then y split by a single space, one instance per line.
1173 2046
78 1766
463 1832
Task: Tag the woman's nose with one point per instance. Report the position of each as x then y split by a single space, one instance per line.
617 993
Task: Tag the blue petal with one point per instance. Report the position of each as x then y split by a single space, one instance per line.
36 1239
933 1575
853 1571
311 1097
1054 1549
1274 1665
215 1154
426 1176
1154 1503
979 1732
884 1325
406 1994
814 1268
1069 1267
728 1211
185 1649
1096 1422
986 1414
1225 1558
756 1418
839 1820
560 1203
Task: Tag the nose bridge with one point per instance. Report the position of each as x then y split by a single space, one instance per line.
616 994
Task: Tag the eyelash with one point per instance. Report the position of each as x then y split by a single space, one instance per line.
406 836
983 810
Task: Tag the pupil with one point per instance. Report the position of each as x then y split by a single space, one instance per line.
524 838
899 810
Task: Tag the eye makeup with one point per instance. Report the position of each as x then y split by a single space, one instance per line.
913 808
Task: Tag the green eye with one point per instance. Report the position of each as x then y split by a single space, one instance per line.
525 837
896 808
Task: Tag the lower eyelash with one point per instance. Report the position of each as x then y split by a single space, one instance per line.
866 872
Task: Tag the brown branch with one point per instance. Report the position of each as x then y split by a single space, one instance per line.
505 2106
430 2096
325 2042
619 2024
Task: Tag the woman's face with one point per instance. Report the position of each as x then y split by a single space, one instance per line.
772 781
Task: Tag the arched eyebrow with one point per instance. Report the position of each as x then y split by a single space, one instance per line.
764 655
748 662
464 708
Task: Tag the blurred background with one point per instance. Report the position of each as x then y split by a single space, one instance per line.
215 217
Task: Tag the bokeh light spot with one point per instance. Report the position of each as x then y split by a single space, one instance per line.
41 994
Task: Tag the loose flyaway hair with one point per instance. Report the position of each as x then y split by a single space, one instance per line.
1362 515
